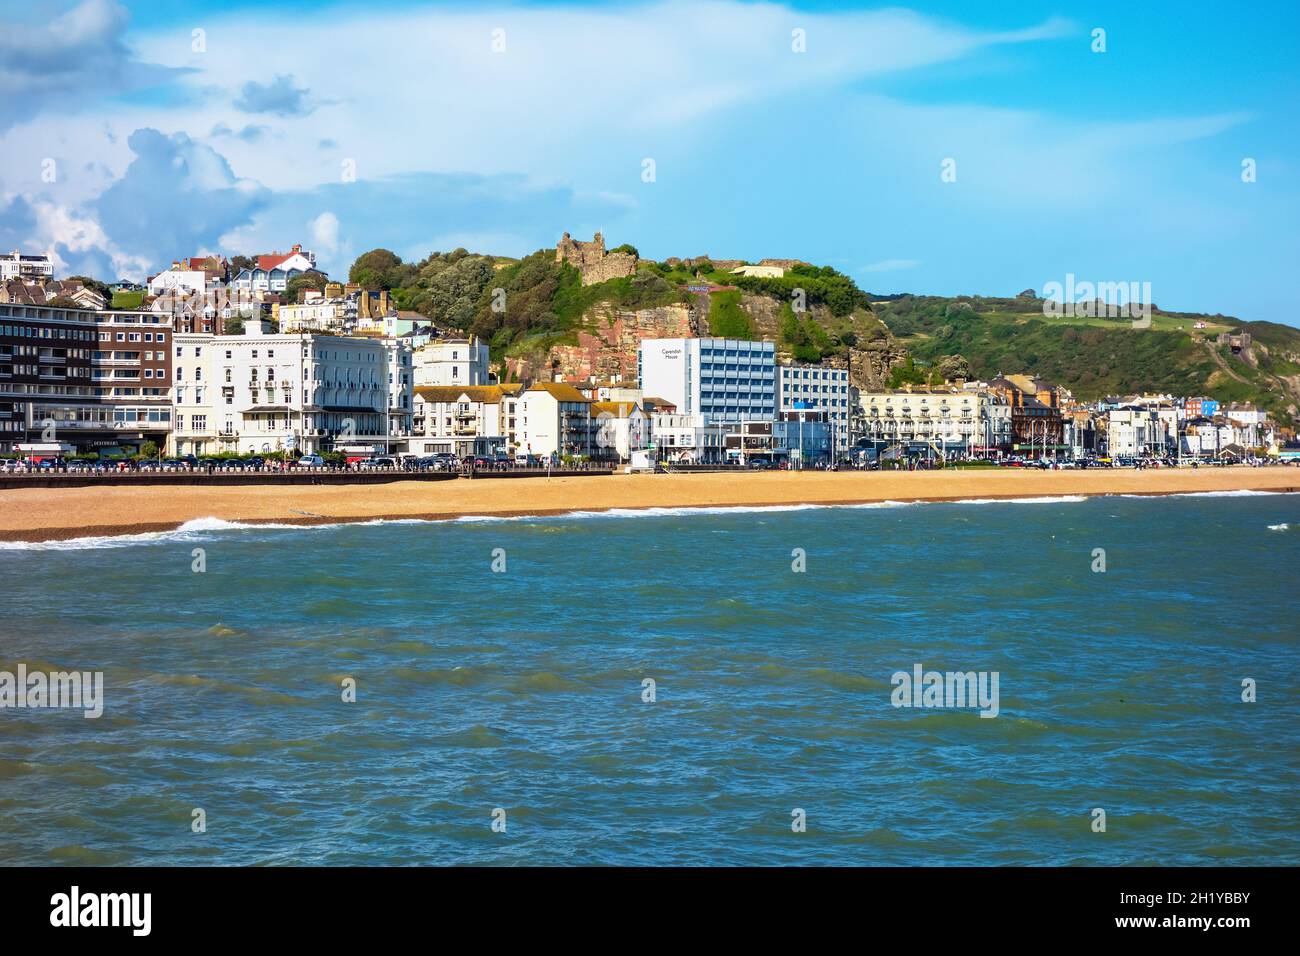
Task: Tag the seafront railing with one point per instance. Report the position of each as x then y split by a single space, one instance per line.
84 477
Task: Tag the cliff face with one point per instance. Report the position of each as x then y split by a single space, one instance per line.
872 360
608 339
607 344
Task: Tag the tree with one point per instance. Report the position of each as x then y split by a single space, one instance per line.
311 279
378 269
239 263
94 285
233 326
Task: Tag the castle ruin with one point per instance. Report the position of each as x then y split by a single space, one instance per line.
591 259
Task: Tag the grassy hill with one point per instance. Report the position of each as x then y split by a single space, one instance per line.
1098 356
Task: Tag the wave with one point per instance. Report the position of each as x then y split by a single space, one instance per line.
197 529
1043 500
1236 493
1279 527
102 541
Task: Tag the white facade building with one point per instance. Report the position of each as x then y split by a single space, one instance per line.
15 265
619 429
271 273
179 281
686 439
452 362
1132 431
948 420
553 418
464 421
264 391
724 380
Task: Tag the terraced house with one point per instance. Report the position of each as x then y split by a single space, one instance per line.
465 420
555 420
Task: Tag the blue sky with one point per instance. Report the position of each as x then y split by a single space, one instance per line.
125 143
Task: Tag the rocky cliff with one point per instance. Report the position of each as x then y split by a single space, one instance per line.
606 342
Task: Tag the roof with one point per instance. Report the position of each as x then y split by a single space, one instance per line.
488 394
654 401
560 391
617 409
274 259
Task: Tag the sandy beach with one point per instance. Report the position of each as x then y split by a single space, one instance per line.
41 514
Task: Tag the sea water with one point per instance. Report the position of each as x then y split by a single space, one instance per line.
677 686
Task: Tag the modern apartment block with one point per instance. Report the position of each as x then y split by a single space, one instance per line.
265 391
723 380
86 380
822 388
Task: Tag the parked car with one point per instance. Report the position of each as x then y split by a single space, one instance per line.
311 461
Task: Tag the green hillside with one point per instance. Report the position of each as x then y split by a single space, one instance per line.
1099 356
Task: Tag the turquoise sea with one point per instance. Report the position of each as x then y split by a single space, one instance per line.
523 689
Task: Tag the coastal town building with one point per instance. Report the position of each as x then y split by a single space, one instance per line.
272 272
265 391
1037 425
16 265
724 380
620 428
818 387
90 380
180 281
554 419
1134 431
687 439
937 420
465 420
57 292
340 310
453 361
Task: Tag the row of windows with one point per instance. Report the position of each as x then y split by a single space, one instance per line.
34 332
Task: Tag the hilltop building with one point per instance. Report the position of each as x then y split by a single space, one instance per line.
591 259
272 272
15 265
